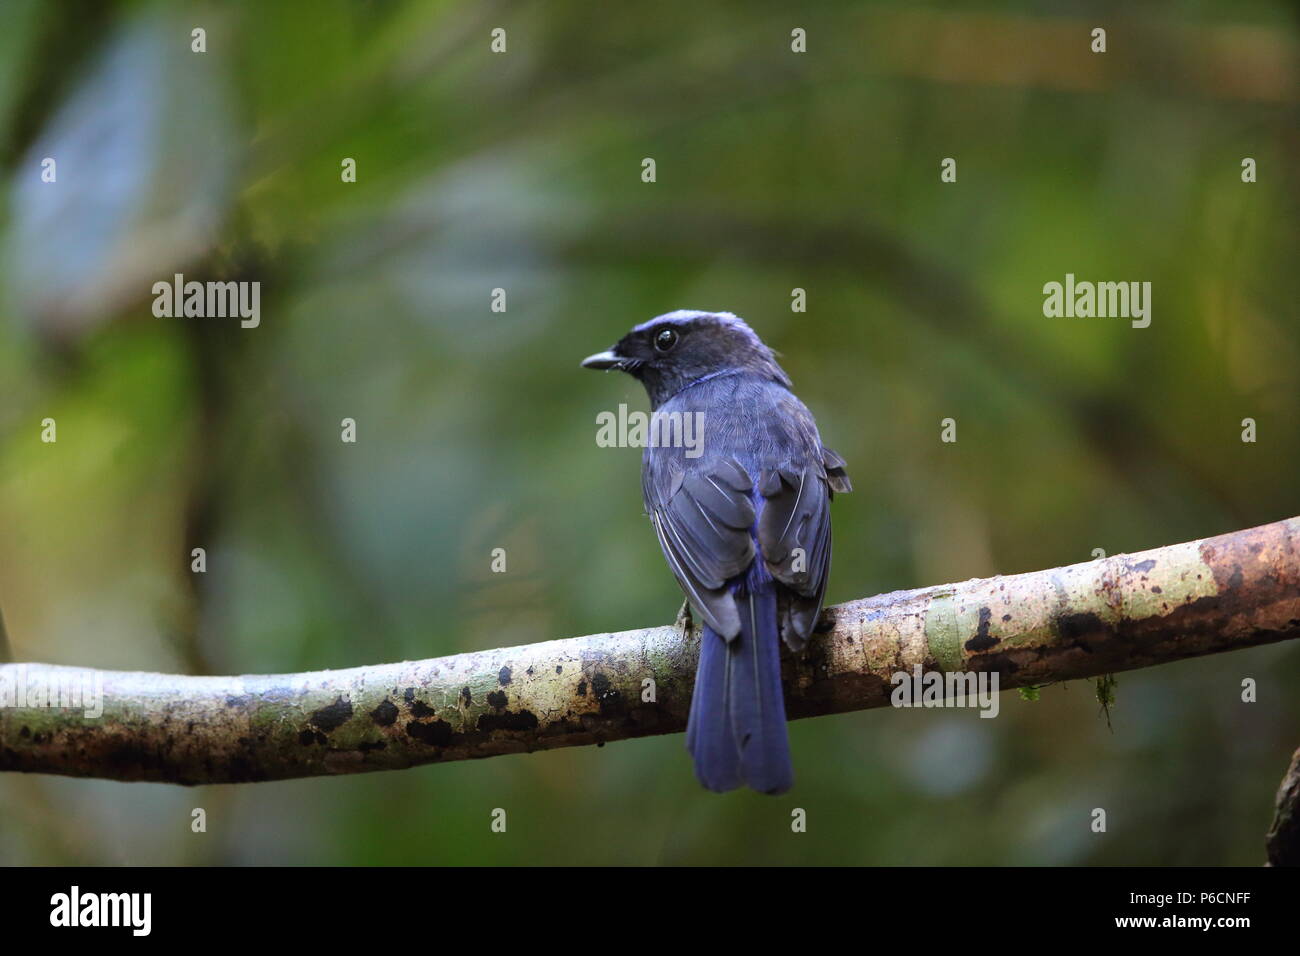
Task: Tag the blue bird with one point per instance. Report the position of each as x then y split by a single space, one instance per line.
743 518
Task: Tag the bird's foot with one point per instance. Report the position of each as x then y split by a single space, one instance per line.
685 623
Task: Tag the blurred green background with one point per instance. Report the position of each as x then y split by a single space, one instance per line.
521 170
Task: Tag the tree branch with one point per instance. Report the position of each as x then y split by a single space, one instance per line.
1120 613
1283 838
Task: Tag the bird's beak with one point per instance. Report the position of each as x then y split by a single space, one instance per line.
606 360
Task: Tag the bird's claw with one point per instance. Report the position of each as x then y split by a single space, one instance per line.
685 623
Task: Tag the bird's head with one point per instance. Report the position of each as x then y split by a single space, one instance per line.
677 349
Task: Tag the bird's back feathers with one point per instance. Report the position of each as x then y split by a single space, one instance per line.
761 488
743 518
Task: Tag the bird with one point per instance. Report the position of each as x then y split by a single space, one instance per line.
743 520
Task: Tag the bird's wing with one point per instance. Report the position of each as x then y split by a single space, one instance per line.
702 518
794 529
794 535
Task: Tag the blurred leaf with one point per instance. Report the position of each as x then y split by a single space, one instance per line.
144 152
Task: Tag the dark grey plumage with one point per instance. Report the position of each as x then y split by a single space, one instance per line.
745 527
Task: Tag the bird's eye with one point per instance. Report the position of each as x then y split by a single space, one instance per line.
665 340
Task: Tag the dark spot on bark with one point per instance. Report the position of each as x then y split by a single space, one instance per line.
1155 589
1001 662
825 622
982 641
1006 617
136 760
524 720
366 747
1235 579
409 694
582 688
307 737
420 710
466 696
241 701
1145 566
559 668
435 733
497 699
504 677
1078 628
25 732
611 701
332 716
385 715
243 770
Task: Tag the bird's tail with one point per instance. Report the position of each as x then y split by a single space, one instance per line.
737 730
